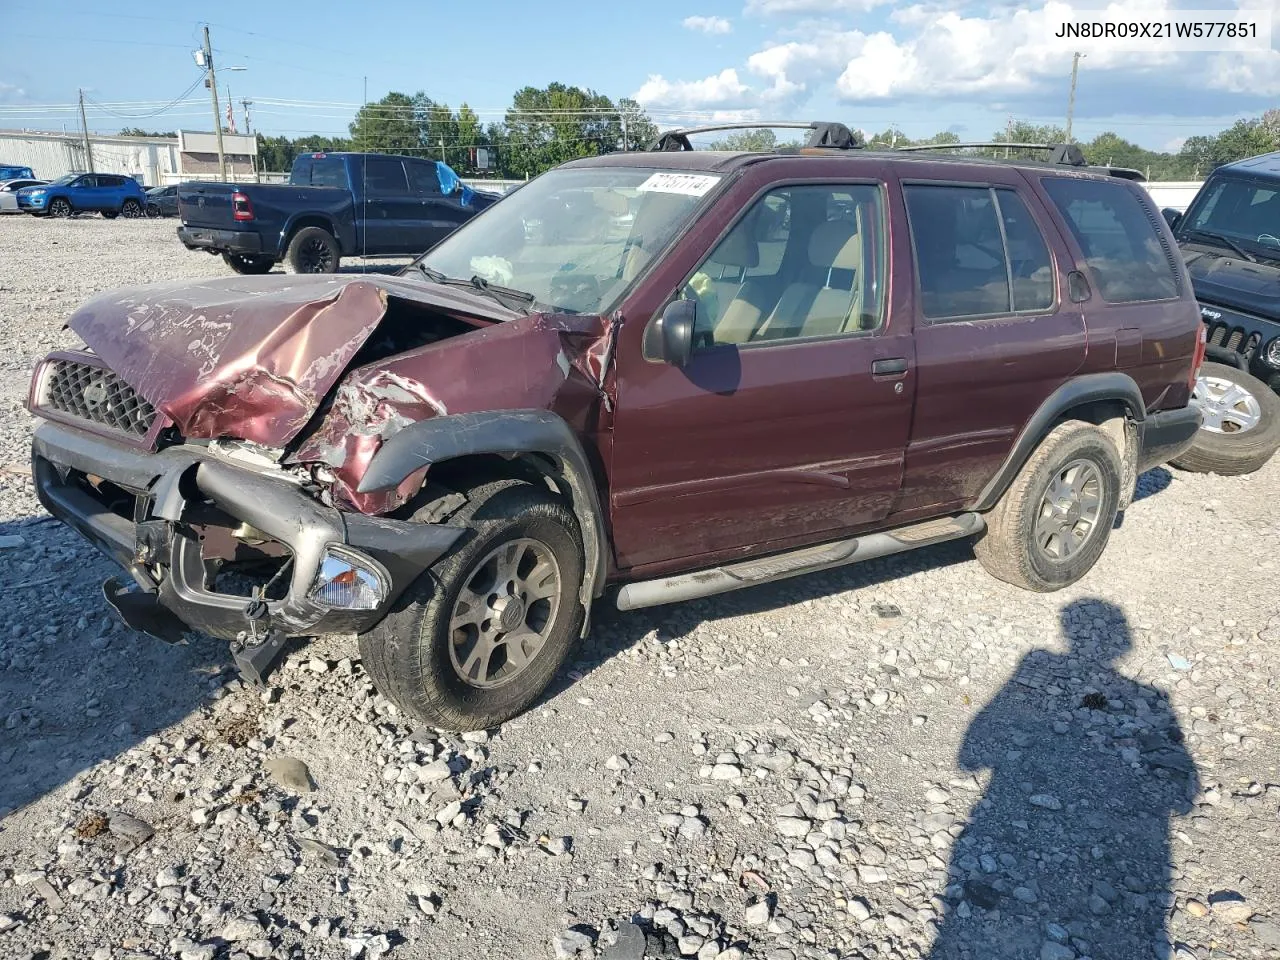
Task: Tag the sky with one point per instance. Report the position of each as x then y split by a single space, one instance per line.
920 66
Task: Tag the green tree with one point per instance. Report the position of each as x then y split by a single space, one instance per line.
749 141
391 125
552 125
639 131
139 132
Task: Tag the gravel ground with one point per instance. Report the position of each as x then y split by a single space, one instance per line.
899 759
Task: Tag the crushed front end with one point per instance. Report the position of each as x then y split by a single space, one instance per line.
219 542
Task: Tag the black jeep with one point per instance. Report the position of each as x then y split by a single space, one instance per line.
1230 239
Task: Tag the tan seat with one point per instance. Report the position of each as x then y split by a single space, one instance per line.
829 300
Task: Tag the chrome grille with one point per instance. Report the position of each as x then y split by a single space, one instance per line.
96 394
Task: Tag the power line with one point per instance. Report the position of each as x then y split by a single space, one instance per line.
181 98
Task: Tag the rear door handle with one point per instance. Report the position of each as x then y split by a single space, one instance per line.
882 368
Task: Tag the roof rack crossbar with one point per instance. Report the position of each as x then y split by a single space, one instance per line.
823 135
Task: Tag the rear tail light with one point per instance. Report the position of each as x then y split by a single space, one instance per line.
1202 341
241 208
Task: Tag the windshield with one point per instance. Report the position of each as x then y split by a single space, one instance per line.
574 238
1246 211
64 180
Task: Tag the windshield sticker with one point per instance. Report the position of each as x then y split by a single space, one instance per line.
688 184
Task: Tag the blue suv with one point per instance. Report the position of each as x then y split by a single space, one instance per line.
107 193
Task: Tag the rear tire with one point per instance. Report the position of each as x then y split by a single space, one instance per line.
1053 522
110 214
312 250
248 265
1242 423
444 656
131 209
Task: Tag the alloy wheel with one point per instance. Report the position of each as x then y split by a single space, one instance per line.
1070 510
1227 406
316 257
59 208
504 613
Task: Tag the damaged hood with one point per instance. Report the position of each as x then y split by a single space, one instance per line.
246 357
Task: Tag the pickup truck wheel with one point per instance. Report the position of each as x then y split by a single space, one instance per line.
312 250
131 209
60 207
478 637
1053 522
1241 428
249 265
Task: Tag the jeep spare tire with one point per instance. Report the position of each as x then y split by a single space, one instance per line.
1241 426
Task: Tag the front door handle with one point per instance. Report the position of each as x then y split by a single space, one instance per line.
881 368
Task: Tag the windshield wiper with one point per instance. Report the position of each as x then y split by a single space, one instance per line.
1226 242
494 291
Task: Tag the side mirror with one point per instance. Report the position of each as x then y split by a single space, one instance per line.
1171 217
676 329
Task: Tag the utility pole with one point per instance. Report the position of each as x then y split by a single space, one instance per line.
624 132
442 159
1071 101
212 82
248 130
84 134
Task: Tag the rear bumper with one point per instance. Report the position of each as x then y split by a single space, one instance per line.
1166 434
160 549
220 241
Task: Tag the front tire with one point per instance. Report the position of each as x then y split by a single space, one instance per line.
248 265
478 637
1053 522
1241 428
60 207
312 250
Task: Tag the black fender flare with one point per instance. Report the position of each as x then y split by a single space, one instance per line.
1089 388
503 432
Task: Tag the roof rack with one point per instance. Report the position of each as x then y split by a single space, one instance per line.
823 135
1060 154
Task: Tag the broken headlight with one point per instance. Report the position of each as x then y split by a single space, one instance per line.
347 582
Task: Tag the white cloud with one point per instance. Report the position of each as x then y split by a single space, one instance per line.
791 8
710 25
934 51
11 93
722 91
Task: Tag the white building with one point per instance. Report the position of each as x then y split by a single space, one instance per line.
151 160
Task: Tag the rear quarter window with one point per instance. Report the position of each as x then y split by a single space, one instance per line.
1126 253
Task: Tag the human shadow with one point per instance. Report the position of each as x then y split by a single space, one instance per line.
1067 854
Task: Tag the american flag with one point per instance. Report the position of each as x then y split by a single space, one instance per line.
231 118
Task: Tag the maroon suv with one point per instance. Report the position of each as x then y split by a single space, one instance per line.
671 373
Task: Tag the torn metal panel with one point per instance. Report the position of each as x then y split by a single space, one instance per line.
250 358
550 362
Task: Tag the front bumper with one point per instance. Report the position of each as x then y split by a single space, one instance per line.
1166 434
220 241
161 547
32 203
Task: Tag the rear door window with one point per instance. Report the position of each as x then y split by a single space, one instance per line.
1126 253
960 256
423 178
1030 269
384 176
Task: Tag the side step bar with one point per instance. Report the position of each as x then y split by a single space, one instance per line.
749 573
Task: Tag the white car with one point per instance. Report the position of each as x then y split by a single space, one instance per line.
9 193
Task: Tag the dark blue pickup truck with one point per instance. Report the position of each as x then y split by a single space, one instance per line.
335 205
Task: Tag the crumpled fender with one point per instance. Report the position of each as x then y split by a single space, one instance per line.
539 362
